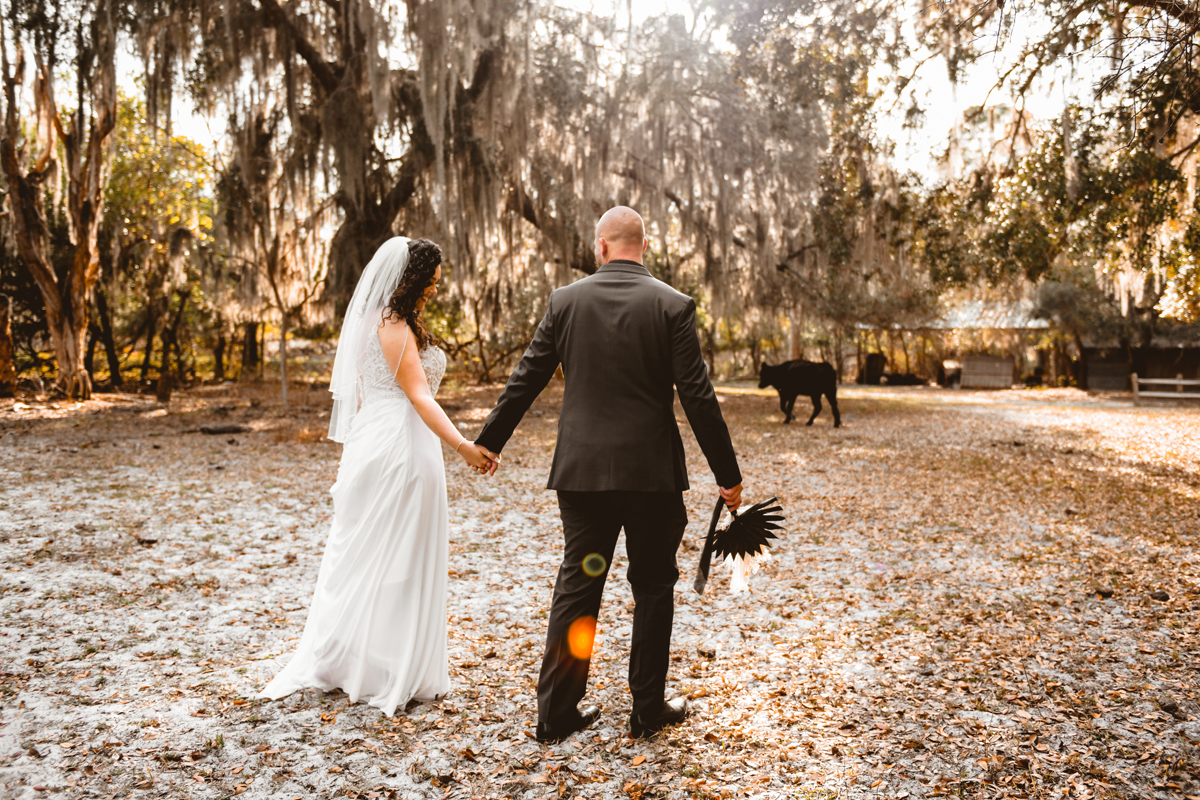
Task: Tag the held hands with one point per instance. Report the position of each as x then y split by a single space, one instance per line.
479 458
732 497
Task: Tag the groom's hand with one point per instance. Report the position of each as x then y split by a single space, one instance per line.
732 497
491 460
478 458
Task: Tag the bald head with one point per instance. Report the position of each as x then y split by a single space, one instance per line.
620 234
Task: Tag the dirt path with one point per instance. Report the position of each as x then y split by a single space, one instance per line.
964 604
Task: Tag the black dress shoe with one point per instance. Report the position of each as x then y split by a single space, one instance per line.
561 729
646 724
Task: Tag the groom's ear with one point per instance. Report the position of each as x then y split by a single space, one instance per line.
645 243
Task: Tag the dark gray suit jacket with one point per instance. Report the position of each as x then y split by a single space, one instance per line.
626 342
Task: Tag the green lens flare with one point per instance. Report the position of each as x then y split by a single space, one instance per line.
594 564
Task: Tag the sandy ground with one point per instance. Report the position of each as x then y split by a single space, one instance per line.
978 594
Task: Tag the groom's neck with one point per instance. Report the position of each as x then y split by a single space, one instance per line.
635 257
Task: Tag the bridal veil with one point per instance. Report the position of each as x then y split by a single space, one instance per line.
379 280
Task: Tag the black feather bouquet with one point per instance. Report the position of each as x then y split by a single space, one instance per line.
742 544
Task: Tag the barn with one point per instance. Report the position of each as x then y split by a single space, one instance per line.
992 343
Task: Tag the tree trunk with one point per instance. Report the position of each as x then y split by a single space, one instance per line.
106 338
151 332
162 389
858 358
219 357
64 291
283 357
89 359
70 349
485 375
8 364
66 314
1081 374
837 353
137 336
164 354
184 295
250 358
166 376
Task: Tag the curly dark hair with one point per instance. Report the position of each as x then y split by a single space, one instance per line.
423 259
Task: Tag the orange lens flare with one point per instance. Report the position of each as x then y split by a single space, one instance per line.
581 636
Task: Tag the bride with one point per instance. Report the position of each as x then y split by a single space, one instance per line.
376 627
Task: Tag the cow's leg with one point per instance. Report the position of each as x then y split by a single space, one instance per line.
816 400
790 406
786 408
837 418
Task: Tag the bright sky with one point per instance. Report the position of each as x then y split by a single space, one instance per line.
920 149
943 103
915 149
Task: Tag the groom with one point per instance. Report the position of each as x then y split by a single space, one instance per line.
626 343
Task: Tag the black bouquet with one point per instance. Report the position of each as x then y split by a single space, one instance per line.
744 541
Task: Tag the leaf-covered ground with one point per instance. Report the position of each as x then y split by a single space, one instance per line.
978 595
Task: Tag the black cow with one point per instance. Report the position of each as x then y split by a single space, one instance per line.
793 378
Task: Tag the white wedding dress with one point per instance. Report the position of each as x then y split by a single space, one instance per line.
377 624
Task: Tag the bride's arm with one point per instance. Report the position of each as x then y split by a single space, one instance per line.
400 345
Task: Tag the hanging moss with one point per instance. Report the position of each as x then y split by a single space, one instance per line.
503 129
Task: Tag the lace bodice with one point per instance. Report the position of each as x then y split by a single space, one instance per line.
378 381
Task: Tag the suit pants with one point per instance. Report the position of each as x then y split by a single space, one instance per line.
654 524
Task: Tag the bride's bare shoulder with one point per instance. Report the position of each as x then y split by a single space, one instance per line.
393 331
395 340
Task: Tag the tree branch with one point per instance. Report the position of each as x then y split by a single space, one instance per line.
322 69
1184 150
25 190
800 252
522 203
1187 13
416 161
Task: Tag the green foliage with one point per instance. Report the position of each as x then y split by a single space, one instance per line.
940 237
1109 242
1079 308
157 243
1181 297
847 217
160 188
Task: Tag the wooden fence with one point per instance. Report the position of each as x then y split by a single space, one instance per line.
1178 382
987 372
